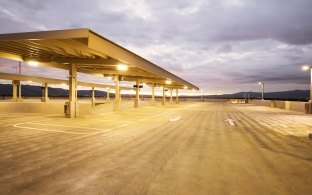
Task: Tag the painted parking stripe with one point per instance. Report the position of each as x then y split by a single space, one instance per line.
119 126
18 125
62 126
175 119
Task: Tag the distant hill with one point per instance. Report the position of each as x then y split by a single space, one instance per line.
283 95
36 91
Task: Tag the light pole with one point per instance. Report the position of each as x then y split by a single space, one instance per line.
201 94
262 90
107 94
20 82
309 67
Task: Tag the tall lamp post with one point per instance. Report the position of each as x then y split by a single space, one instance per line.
20 82
309 67
262 90
201 94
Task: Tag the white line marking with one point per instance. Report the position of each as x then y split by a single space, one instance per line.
175 119
115 120
60 131
230 121
61 126
124 125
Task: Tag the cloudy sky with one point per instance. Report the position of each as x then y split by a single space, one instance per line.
222 46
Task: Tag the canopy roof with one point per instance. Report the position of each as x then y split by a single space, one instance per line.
17 77
92 53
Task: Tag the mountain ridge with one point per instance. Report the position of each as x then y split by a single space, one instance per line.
36 91
292 94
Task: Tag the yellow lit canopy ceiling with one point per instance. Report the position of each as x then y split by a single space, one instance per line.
92 53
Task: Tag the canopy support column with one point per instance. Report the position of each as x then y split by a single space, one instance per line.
107 94
14 90
153 101
177 96
45 91
71 107
171 101
137 95
117 94
20 83
163 102
93 98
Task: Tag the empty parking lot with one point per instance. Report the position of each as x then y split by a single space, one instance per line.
175 149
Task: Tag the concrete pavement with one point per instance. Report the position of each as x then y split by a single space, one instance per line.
140 151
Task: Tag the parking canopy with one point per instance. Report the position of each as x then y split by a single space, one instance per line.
91 52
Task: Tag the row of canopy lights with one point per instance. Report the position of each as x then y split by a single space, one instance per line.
120 67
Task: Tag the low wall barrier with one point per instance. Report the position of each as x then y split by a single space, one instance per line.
40 107
305 107
238 101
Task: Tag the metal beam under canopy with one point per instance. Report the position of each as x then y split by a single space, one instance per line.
91 52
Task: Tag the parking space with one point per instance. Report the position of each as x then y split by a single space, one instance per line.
89 124
284 122
188 148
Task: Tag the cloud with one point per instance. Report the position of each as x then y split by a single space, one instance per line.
219 45
286 22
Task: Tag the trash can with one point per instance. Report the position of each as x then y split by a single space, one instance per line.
71 109
67 109
308 108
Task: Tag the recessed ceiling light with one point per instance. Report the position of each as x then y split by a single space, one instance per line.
33 63
168 82
122 67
